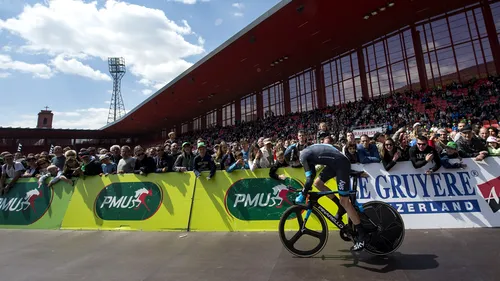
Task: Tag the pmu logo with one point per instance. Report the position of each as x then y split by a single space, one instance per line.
128 201
17 204
259 199
491 193
25 203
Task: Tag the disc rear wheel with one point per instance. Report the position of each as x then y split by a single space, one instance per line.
385 225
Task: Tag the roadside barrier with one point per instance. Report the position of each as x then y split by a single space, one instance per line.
28 207
156 202
249 201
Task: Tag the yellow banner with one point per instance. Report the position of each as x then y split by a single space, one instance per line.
154 202
248 201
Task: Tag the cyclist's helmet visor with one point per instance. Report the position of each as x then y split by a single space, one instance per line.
291 153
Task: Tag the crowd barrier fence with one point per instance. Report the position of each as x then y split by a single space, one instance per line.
249 201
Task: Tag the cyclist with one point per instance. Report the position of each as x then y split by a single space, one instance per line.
338 166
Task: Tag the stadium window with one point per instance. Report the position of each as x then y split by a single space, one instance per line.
342 82
228 114
303 91
184 128
390 64
197 123
273 100
211 118
249 108
456 47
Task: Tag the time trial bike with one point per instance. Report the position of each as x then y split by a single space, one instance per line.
384 225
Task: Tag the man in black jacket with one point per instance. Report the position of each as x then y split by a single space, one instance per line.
422 153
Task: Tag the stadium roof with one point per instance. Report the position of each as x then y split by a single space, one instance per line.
308 32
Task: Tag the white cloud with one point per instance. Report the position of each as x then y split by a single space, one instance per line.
154 47
4 74
6 48
77 119
218 21
238 14
72 66
189 2
238 5
146 92
38 69
107 102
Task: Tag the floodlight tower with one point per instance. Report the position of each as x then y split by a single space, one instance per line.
116 107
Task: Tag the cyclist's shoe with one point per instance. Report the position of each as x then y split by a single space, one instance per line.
301 199
359 245
360 240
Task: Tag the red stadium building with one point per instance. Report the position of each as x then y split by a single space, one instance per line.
307 54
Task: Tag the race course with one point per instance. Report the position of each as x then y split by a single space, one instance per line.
451 254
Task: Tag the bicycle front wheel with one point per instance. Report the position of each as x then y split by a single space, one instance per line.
386 228
314 227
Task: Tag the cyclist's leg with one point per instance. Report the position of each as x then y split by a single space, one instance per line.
326 174
344 186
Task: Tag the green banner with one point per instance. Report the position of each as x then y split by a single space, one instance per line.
128 201
28 206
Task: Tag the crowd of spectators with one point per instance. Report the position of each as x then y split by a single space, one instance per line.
433 126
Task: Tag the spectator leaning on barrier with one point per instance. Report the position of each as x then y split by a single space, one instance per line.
493 146
144 164
483 134
351 153
367 152
11 169
115 154
267 152
240 163
470 146
379 139
450 151
90 165
56 174
185 161
174 151
422 153
441 141
71 165
280 163
351 140
32 168
164 162
203 162
59 158
390 154
255 157
127 162
107 166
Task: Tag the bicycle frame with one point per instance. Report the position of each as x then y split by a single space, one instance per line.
315 196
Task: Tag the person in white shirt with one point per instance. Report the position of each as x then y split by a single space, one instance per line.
12 170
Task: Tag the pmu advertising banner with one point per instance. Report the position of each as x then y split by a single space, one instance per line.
447 198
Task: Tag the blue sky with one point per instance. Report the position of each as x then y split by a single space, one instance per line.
54 52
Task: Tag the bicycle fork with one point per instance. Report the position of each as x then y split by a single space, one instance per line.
308 213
